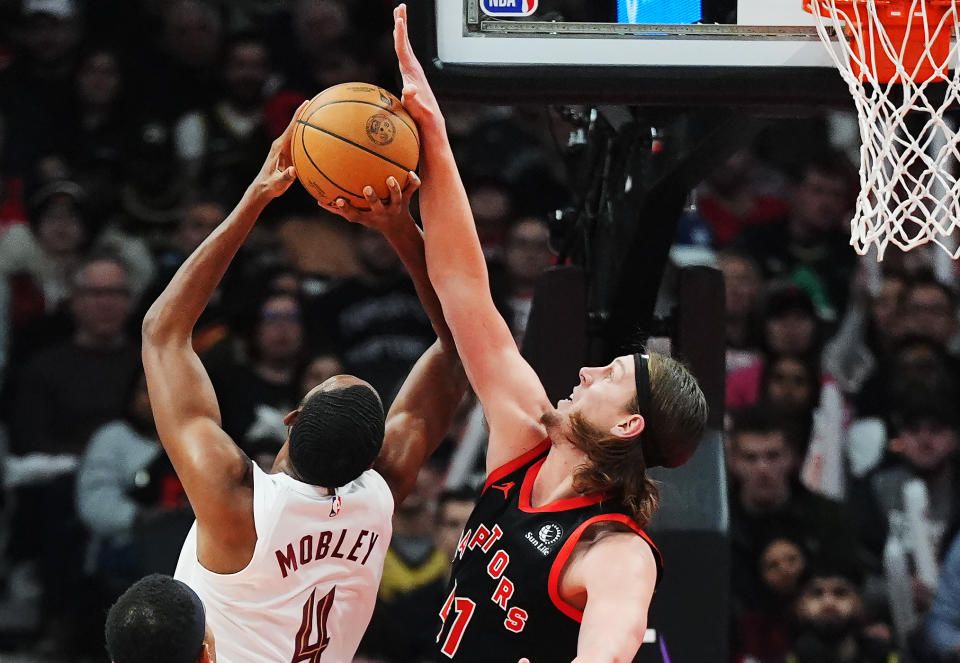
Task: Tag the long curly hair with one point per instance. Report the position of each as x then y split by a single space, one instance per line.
672 431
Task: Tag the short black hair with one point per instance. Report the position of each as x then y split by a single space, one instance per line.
157 620
337 435
755 419
926 278
760 420
834 565
932 402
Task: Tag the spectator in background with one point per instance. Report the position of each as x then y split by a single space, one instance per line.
39 260
318 32
414 580
84 379
915 359
767 499
930 311
943 621
728 201
318 369
789 327
12 208
180 73
765 631
261 444
743 287
808 246
256 392
831 620
374 320
790 387
195 221
492 204
130 500
154 188
906 504
220 145
63 394
526 255
453 509
100 124
38 87
868 332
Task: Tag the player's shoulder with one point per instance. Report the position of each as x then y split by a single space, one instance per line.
614 542
371 483
613 532
622 553
610 557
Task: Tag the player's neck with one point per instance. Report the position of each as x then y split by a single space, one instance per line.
555 479
282 465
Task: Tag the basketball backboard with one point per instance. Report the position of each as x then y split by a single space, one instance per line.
565 51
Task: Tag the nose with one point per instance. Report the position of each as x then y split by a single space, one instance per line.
589 374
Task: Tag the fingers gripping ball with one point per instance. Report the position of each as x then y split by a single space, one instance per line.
350 136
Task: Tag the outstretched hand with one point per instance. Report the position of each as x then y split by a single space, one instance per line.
277 173
417 95
386 218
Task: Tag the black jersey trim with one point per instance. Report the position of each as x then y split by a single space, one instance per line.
553 580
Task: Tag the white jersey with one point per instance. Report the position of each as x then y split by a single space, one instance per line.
309 591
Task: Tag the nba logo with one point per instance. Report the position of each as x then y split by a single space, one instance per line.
508 7
335 503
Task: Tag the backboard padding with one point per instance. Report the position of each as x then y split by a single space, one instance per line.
474 56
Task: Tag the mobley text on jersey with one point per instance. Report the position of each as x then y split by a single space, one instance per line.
353 546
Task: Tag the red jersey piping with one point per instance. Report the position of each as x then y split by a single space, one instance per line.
515 464
526 490
553 581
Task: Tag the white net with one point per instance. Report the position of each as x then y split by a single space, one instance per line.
895 56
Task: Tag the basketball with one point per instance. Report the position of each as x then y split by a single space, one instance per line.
350 136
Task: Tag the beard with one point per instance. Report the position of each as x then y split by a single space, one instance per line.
830 629
551 420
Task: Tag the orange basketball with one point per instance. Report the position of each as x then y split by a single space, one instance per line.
350 136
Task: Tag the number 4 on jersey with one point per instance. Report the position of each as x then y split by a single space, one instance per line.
305 651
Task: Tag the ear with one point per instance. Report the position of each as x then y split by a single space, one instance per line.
896 445
291 418
630 427
209 654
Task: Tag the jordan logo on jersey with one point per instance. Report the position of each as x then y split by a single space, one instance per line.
504 488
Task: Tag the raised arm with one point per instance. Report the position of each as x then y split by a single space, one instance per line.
423 410
512 396
213 470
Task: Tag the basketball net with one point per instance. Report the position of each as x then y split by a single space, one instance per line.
895 57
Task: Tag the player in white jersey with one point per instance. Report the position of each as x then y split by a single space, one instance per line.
288 563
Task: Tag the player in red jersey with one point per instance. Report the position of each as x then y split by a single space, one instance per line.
553 562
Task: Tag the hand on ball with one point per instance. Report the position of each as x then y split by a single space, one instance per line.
383 217
277 173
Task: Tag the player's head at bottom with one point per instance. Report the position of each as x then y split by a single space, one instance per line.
336 432
159 620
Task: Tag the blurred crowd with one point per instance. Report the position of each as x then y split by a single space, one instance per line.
129 130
